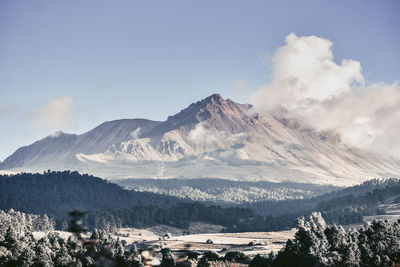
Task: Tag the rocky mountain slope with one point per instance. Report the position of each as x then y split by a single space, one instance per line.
213 137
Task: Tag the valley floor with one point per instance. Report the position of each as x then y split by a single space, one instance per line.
261 242
250 243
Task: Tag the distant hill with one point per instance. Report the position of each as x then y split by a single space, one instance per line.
214 137
223 191
363 198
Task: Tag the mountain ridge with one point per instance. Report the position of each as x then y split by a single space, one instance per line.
213 137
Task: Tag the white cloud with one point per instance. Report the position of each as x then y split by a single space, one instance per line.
56 114
201 135
10 110
56 134
304 71
198 135
310 86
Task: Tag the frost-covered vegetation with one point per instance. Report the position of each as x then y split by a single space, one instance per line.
22 222
315 244
18 247
318 244
225 191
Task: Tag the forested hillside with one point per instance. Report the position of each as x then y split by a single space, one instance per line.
57 193
108 206
347 206
365 196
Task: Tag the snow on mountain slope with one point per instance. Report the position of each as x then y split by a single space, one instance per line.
213 137
60 149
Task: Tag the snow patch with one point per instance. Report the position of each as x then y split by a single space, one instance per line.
136 133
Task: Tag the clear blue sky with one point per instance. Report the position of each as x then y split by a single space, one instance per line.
150 59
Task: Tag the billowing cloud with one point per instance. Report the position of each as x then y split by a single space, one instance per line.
198 135
308 85
304 71
56 114
202 135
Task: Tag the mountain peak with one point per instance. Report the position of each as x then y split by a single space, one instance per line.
214 110
214 105
214 98
201 106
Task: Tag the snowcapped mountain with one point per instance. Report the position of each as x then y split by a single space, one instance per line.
211 138
61 148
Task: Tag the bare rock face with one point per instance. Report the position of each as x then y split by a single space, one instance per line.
214 137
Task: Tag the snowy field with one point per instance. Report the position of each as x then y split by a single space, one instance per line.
261 242
389 218
392 213
393 209
176 239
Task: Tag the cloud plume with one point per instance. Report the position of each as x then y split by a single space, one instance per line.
10 110
56 114
309 85
202 135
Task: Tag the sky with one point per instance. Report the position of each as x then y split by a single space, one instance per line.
71 65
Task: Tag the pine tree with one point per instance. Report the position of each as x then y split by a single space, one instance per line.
43 255
63 257
27 256
11 243
168 259
118 249
133 258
